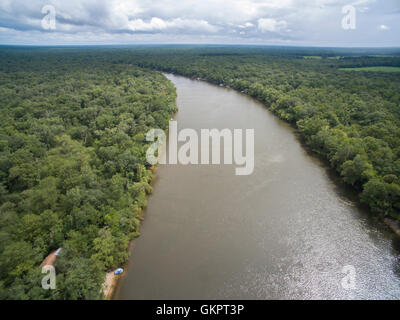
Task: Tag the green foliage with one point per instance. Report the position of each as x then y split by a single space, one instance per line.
81 279
72 166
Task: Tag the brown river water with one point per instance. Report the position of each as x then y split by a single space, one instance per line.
284 232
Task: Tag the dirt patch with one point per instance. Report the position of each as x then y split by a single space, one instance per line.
50 259
109 284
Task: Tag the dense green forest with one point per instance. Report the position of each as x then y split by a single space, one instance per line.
72 149
72 166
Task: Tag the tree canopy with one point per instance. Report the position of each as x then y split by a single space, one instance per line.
72 166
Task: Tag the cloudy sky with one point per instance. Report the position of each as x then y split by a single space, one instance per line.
273 22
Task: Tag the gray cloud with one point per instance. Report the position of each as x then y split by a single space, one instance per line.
302 22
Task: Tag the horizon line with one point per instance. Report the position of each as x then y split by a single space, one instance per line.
199 44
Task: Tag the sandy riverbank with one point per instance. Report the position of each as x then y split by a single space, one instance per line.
109 285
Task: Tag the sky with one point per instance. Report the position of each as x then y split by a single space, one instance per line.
357 23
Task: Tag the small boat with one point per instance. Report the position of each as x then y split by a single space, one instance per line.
119 271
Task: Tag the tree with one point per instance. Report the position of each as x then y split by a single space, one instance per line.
376 195
357 171
81 281
110 250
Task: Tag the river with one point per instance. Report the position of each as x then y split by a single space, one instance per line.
284 232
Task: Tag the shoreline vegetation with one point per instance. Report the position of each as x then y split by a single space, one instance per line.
113 281
73 172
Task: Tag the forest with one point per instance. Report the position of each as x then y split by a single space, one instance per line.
72 148
72 167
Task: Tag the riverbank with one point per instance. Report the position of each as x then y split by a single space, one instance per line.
109 285
111 281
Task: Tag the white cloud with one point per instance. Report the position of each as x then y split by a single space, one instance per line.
271 25
246 25
252 21
140 25
157 24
